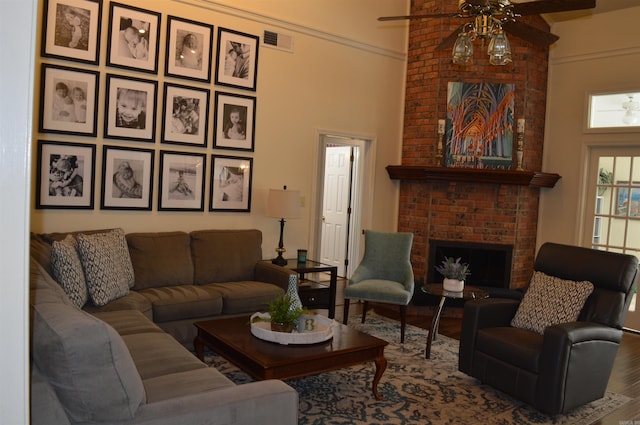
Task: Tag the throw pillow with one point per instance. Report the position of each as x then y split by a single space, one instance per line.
67 270
107 265
550 300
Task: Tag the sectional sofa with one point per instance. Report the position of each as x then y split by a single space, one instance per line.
117 350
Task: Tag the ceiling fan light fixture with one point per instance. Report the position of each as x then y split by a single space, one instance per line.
463 49
631 108
630 117
499 49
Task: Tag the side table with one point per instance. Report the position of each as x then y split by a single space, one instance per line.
469 293
315 294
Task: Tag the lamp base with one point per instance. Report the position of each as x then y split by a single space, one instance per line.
279 260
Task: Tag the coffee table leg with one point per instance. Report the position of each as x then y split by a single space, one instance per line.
381 365
434 328
199 347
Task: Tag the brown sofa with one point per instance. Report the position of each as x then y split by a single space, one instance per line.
116 366
181 278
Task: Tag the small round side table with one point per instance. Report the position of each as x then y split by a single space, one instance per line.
468 293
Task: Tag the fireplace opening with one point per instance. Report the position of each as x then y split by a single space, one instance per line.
490 264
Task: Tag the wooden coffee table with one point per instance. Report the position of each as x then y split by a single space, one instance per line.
232 339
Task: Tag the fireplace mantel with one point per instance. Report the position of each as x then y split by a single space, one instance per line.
473 175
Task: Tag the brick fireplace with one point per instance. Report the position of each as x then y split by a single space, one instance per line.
470 209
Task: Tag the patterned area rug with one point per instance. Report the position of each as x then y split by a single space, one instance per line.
415 390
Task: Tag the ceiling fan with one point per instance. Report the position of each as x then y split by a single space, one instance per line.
488 13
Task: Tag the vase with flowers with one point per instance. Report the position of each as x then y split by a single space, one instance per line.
454 272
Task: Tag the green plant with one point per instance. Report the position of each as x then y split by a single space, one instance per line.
281 312
453 269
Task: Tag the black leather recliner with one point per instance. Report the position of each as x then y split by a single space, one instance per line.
570 364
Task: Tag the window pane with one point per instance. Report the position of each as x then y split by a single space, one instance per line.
633 235
617 235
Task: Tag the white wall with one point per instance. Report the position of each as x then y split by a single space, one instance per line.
594 54
346 75
16 76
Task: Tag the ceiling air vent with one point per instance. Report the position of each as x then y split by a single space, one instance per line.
278 41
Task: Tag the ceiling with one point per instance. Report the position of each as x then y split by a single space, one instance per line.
602 6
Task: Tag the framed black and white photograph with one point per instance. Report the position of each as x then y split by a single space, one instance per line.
188 49
71 30
127 178
134 36
234 121
231 183
68 100
130 108
65 175
237 59
182 176
185 118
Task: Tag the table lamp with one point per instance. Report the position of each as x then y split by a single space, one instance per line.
283 203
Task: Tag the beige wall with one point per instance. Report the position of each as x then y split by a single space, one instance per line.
346 75
594 54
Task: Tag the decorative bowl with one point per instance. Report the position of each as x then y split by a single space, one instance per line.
312 329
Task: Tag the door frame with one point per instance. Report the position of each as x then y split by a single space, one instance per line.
362 197
592 153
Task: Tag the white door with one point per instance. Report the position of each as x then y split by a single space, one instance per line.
614 200
336 206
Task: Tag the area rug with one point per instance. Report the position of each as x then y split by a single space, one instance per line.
415 390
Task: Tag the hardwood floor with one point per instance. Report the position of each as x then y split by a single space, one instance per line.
625 378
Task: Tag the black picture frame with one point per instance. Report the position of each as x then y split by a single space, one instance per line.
182 176
65 175
233 72
61 109
185 118
130 108
127 178
71 30
193 61
234 111
134 38
231 181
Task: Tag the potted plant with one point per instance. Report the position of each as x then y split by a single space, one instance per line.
454 273
283 314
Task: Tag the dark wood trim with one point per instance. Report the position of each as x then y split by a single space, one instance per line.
472 175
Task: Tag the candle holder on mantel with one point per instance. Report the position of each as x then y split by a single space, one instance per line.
439 152
520 145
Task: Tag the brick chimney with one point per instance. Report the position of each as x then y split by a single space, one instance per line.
469 211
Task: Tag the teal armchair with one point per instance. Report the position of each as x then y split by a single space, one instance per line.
384 276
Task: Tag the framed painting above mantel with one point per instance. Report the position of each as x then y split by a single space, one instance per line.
479 128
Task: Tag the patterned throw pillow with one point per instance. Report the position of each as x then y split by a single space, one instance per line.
67 270
550 301
107 265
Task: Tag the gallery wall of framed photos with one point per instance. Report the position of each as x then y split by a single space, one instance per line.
141 109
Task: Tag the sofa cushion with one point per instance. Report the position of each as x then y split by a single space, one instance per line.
87 363
181 384
128 322
550 300
225 255
166 356
246 296
107 265
132 301
67 270
43 289
160 259
183 302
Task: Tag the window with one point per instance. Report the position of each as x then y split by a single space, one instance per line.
616 223
614 110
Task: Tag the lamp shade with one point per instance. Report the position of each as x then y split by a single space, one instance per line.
283 203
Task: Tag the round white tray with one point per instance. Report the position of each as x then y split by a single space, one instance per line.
318 329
